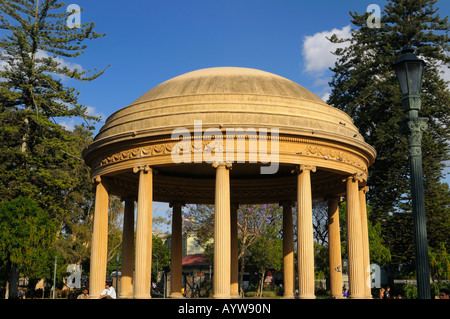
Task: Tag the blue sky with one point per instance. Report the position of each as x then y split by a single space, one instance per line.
149 42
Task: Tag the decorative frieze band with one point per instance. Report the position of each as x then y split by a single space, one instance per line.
304 147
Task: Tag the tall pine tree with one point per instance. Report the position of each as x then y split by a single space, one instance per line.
365 86
39 158
33 95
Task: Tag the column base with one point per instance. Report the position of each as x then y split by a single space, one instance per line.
307 297
288 296
357 297
145 296
125 296
221 297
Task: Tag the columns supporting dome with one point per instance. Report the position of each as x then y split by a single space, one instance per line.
252 119
334 247
99 246
176 250
288 250
137 257
222 228
143 258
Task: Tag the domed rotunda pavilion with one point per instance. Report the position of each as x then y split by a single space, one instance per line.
229 136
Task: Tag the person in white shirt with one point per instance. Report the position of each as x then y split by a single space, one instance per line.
108 292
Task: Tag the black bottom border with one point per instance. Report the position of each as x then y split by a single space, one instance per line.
223 308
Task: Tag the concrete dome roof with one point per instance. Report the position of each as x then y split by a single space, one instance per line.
223 80
228 97
231 101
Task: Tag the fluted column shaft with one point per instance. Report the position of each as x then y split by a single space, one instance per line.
222 243
143 264
126 286
365 241
288 250
334 248
305 243
234 271
354 241
176 251
99 248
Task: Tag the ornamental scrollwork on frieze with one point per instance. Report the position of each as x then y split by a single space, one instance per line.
165 148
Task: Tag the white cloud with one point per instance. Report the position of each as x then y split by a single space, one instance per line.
68 124
325 96
71 66
318 58
317 49
90 110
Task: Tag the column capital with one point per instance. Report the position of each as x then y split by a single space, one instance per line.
217 164
364 189
176 202
354 178
303 167
96 179
144 168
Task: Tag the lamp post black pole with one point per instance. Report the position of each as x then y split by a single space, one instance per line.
416 127
409 71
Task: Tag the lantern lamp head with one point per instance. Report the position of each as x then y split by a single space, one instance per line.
409 71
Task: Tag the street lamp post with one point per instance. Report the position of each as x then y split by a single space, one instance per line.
409 70
54 277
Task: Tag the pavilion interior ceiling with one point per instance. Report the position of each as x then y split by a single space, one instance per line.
194 183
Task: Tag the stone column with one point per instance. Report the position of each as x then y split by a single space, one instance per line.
222 243
334 248
365 241
177 251
143 264
354 241
234 275
126 286
305 243
99 248
288 250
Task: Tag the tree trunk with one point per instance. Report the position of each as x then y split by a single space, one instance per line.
13 282
241 276
261 284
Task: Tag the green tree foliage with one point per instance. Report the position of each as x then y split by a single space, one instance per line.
33 97
380 252
266 253
26 234
364 85
161 257
40 159
440 263
254 223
